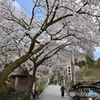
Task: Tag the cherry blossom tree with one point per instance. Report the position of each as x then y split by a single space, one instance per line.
63 23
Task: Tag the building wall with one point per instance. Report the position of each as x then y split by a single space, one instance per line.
21 83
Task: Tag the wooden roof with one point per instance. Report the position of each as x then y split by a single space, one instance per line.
88 86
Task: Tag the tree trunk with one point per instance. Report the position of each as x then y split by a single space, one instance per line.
10 68
30 85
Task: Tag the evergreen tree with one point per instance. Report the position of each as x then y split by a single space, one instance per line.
98 64
80 63
89 61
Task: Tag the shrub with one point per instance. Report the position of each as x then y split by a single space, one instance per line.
8 89
41 88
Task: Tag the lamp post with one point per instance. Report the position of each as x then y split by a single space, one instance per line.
73 68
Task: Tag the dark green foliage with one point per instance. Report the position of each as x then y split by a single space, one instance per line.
8 89
98 64
80 63
89 61
75 61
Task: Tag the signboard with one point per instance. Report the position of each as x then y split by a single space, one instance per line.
69 69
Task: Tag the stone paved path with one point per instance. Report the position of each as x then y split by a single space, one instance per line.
52 92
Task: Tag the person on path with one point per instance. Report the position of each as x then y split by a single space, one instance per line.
62 89
36 90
